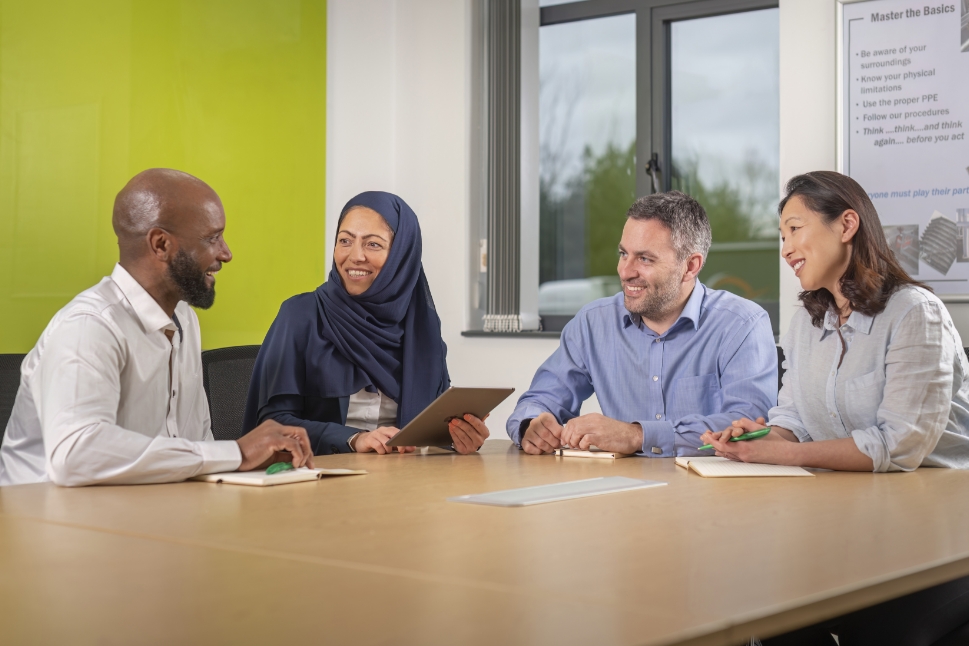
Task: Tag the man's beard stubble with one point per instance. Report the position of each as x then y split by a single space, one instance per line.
190 281
657 299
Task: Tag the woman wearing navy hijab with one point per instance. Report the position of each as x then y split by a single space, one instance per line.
360 357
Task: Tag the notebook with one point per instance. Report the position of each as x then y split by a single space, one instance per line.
260 479
559 491
592 453
716 467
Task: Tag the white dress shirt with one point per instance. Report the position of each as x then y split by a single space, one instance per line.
369 410
98 403
901 390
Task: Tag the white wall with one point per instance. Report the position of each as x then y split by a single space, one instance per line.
398 119
807 105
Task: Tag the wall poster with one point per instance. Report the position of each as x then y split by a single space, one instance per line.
905 113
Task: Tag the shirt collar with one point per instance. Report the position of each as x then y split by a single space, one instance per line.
150 314
691 311
856 321
693 305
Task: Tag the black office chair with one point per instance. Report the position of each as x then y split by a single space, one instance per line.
9 383
225 374
780 367
959 637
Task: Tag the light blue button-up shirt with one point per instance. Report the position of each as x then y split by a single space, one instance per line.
717 363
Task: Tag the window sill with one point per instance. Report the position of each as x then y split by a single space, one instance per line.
517 335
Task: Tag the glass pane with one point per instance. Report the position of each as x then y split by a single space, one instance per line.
725 144
588 142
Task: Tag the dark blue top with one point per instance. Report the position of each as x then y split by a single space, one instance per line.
326 345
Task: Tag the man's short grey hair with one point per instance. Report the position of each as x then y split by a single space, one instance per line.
683 216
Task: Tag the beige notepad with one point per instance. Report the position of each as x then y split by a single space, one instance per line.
716 467
593 453
260 479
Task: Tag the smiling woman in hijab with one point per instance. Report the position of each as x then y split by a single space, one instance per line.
362 355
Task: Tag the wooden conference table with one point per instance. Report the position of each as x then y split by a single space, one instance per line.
385 559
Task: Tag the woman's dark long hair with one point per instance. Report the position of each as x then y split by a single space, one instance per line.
873 272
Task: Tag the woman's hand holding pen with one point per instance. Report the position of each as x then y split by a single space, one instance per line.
773 448
738 428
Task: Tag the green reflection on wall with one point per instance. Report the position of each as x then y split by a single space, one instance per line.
94 91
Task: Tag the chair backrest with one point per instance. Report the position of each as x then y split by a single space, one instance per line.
780 367
225 374
9 383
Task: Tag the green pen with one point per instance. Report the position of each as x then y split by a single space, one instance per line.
279 467
753 435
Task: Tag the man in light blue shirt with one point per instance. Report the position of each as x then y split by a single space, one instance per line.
668 358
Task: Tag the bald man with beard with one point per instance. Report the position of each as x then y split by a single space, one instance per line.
112 392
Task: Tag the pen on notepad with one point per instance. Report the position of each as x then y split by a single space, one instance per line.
753 435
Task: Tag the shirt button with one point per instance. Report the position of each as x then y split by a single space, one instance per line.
658 416
833 415
173 393
656 450
655 378
658 340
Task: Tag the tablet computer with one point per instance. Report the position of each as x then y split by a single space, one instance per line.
430 427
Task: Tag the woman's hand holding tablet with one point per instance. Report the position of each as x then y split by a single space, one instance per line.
468 433
456 417
375 441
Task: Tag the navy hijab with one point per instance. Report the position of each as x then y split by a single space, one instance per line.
330 344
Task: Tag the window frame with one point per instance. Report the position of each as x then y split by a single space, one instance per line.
653 110
653 89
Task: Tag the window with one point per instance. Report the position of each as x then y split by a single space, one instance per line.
724 144
587 159
692 86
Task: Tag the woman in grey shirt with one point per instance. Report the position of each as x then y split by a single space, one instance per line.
875 381
875 370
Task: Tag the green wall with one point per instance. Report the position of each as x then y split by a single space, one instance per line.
94 91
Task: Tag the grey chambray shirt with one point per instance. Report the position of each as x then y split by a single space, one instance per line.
900 392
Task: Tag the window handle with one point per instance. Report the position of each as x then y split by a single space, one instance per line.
655 174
